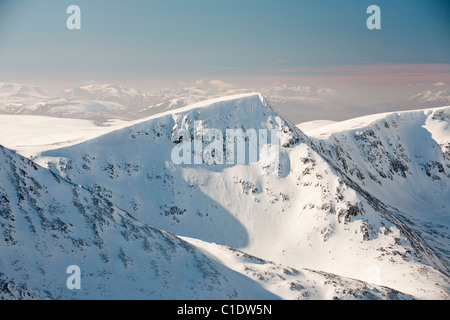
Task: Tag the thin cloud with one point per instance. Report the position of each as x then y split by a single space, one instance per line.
220 84
420 84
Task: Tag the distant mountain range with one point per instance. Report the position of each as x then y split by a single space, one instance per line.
101 102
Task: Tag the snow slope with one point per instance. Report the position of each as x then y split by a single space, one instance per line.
29 135
312 126
48 224
312 214
403 159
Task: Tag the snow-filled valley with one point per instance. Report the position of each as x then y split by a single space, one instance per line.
358 209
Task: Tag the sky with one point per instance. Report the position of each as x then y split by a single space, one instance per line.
321 42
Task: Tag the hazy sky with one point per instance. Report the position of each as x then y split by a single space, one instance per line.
316 42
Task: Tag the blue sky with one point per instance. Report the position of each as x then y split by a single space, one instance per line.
218 38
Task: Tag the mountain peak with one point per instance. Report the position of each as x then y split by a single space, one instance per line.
432 98
102 92
249 100
20 91
371 199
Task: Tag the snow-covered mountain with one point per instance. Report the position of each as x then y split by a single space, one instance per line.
431 98
17 91
48 224
95 102
404 160
296 102
17 98
129 97
102 102
330 207
99 102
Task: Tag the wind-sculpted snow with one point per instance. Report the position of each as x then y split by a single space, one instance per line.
315 212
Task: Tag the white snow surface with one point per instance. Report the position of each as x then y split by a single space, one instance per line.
358 209
30 134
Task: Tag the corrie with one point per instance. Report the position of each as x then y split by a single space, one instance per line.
205 145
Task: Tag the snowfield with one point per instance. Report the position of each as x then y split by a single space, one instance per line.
30 135
358 209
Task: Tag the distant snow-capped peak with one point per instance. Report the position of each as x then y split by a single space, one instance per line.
441 97
20 90
102 92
